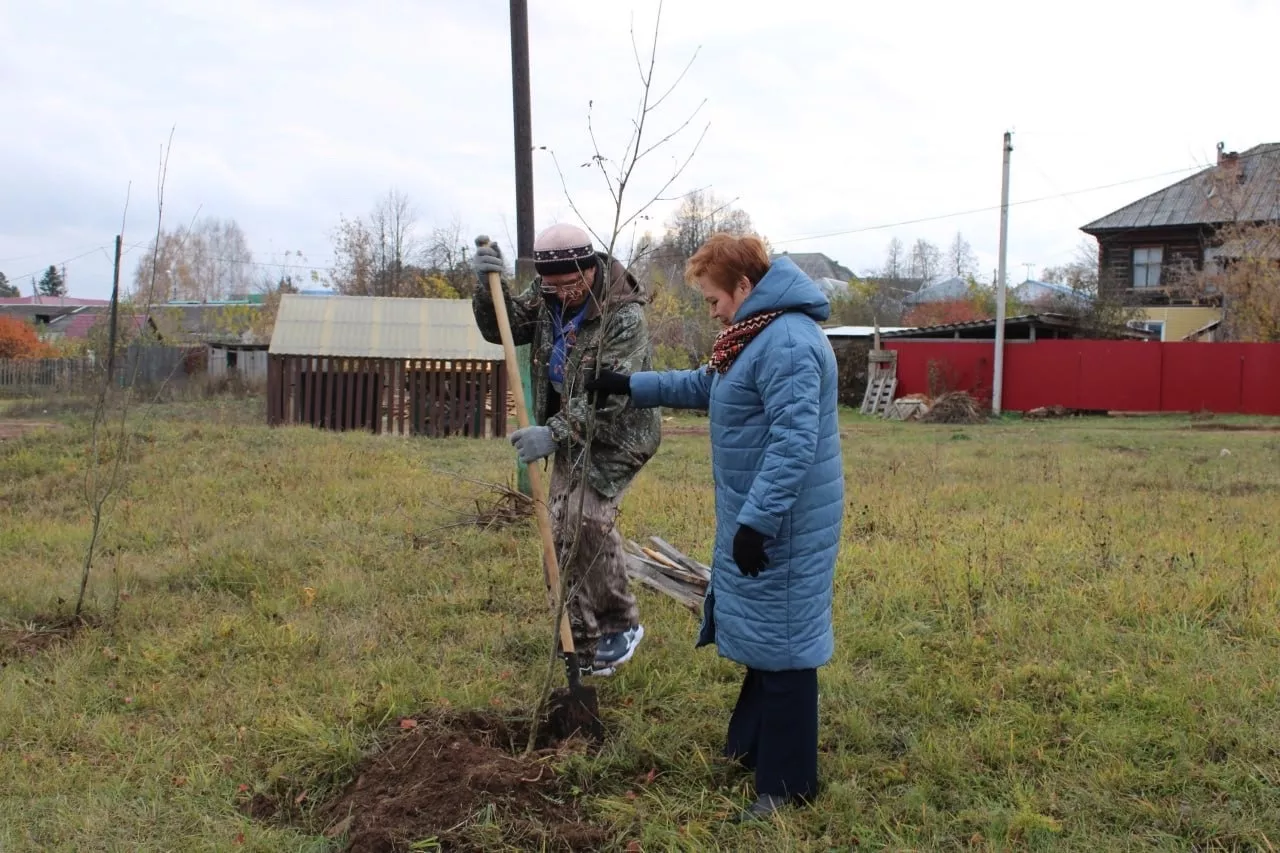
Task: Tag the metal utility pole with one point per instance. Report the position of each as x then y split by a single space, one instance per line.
521 101
522 111
997 381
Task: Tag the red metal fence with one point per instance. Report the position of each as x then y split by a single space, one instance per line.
1132 376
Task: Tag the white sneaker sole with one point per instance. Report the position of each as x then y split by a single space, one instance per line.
612 667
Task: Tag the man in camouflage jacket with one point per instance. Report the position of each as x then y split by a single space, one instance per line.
582 311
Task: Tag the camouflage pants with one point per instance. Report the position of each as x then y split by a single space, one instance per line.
594 570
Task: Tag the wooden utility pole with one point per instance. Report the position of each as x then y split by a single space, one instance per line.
997 382
115 305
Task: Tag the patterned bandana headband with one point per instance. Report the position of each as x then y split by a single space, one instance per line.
733 340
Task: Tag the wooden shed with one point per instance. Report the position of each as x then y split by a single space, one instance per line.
384 364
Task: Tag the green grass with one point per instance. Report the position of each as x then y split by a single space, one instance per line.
1050 636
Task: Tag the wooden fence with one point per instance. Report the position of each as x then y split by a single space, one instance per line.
143 366
426 397
23 377
153 365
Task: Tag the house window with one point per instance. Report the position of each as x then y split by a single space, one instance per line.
1156 326
1146 266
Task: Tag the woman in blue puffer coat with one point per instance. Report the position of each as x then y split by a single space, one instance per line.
770 390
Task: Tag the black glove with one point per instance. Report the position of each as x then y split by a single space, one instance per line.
748 550
608 382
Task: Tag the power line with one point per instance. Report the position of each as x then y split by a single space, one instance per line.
986 209
60 263
24 257
797 239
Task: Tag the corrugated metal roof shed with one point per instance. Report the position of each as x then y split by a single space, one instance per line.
1191 202
379 327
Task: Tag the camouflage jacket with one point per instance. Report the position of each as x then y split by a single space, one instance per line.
613 333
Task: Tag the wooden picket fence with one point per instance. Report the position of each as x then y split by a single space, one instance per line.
142 366
33 377
427 397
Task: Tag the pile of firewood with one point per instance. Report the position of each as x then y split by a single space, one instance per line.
668 571
954 407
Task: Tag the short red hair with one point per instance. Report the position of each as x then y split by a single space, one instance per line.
724 259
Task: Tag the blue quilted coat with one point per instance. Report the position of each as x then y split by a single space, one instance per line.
775 451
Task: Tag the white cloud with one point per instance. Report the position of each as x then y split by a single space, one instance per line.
824 117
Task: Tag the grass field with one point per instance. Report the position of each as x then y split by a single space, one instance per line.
1050 636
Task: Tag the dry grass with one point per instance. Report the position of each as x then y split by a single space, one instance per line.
1050 636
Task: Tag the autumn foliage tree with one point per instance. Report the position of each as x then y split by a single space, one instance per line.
977 304
18 339
944 313
208 261
1249 281
1242 272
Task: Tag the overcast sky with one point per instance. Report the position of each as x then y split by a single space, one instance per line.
828 122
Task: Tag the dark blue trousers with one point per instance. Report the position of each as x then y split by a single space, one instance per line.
774 731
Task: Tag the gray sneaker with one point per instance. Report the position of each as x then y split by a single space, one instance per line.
614 650
765 806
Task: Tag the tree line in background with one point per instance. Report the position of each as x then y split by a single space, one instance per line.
386 253
53 282
888 296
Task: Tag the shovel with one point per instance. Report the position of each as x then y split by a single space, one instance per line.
575 708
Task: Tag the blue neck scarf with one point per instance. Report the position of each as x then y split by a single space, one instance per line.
564 335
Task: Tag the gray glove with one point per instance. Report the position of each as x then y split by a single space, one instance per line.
533 443
488 259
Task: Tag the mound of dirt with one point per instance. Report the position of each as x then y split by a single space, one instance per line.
464 781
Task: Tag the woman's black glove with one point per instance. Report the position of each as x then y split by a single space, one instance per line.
748 550
608 382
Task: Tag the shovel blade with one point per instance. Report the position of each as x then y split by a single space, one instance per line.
575 710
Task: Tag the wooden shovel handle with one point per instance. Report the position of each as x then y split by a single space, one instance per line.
535 473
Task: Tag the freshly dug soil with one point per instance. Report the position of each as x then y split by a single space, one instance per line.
464 781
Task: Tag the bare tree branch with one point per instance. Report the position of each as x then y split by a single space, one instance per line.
689 65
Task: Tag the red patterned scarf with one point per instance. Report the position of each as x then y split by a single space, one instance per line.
731 341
